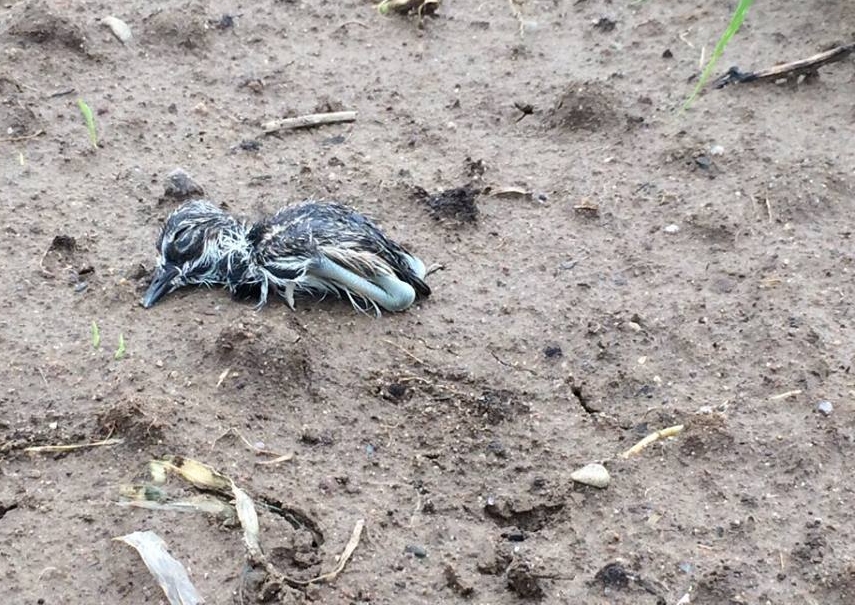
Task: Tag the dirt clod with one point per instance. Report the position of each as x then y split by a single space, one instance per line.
42 22
180 186
456 205
522 581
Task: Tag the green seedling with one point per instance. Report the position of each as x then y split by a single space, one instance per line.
734 25
120 352
96 335
90 122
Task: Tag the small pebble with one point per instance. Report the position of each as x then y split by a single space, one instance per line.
594 475
552 351
119 28
81 286
180 185
704 162
716 150
825 408
417 551
672 229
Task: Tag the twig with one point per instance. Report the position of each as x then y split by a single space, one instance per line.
346 23
345 555
655 436
785 395
223 375
517 13
510 365
308 121
259 451
42 449
405 352
38 133
807 67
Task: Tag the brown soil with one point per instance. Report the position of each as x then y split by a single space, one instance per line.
612 267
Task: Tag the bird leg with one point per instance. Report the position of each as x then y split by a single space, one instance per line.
385 290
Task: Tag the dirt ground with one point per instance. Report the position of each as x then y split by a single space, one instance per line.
630 267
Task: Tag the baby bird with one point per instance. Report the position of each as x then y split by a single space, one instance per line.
200 244
318 248
310 248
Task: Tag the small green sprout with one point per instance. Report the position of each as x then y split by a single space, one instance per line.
735 22
96 335
90 121
120 352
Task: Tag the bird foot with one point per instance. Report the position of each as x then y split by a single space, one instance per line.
289 295
434 268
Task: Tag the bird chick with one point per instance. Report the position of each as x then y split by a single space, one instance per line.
317 248
200 244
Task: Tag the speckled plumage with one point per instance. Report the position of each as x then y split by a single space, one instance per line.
311 248
289 246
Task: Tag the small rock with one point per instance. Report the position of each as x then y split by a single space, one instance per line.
181 186
514 535
119 28
594 475
604 24
250 145
716 150
417 551
672 229
81 286
552 351
667 54
703 162
825 408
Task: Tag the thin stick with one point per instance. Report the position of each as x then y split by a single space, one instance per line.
345 555
259 451
793 69
38 133
308 121
511 365
42 449
785 395
655 436
405 352
222 377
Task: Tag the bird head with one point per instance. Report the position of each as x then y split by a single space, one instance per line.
198 244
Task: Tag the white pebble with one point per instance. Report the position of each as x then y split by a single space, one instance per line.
119 28
594 475
825 408
672 229
716 150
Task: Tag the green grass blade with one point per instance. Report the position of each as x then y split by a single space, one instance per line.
90 121
120 352
734 25
96 335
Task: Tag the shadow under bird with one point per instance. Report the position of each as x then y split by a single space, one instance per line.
311 248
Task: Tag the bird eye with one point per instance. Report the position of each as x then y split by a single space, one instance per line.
183 246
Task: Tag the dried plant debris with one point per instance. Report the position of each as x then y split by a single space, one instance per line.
671 431
456 205
224 498
170 574
53 449
422 8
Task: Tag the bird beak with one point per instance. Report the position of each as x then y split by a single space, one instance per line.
161 284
